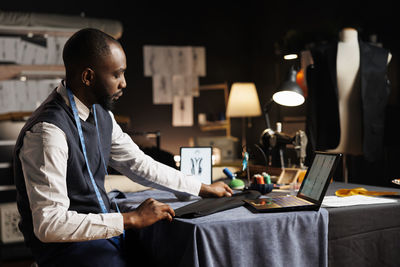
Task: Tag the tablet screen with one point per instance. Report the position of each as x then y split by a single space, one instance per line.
197 161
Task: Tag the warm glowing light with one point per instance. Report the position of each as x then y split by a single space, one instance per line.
290 56
288 98
243 101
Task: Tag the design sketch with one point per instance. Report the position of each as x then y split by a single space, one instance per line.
185 62
196 163
182 111
162 89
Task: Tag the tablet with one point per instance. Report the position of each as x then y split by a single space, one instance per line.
197 161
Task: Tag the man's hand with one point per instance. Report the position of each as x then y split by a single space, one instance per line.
149 212
217 189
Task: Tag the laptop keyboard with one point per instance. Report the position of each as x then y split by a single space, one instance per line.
285 201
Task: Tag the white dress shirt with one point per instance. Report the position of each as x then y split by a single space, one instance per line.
44 156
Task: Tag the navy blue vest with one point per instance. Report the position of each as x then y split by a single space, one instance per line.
80 189
323 125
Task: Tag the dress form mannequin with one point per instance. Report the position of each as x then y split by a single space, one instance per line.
349 95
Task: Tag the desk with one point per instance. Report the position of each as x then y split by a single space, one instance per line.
235 237
367 235
355 236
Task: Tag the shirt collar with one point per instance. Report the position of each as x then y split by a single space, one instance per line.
83 110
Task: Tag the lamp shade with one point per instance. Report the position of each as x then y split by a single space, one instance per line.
243 101
289 93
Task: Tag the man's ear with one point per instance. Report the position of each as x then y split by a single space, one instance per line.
87 76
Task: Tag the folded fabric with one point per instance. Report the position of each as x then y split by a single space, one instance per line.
207 206
362 191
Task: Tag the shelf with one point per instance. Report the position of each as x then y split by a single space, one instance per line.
15 116
221 125
212 126
37 30
10 71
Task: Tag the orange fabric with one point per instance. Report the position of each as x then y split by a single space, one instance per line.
361 191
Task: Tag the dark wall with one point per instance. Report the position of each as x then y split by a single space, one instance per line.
243 42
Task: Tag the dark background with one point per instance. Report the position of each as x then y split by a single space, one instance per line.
244 43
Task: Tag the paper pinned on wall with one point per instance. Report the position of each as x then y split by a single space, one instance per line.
185 85
46 87
182 111
182 60
157 60
8 103
3 108
174 60
25 52
184 65
175 71
21 96
199 61
162 89
193 85
32 87
9 49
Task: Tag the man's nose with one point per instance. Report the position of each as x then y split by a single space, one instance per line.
123 83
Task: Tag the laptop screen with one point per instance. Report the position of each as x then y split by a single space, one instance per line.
317 178
197 161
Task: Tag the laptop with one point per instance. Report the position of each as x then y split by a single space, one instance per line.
197 162
312 190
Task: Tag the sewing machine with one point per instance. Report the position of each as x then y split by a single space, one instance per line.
274 144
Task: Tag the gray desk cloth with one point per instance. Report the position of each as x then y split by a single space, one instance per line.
365 235
234 237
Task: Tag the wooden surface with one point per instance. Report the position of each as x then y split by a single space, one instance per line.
10 71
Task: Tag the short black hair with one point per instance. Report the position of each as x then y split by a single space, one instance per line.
85 47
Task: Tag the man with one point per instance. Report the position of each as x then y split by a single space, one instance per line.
61 158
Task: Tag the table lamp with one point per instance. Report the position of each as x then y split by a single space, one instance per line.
289 93
243 102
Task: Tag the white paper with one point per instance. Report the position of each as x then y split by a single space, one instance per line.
182 111
32 91
2 99
147 61
59 47
162 89
27 55
8 96
157 60
192 83
185 85
179 85
182 60
199 61
9 49
175 71
21 96
335 201
174 60
40 57
52 56
45 87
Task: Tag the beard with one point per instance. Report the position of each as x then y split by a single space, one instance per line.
107 102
